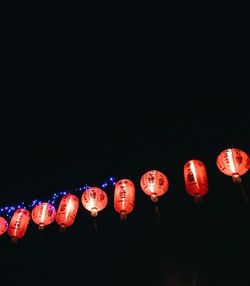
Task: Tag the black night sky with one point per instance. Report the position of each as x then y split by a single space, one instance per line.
94 90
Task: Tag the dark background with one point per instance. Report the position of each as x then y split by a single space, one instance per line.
94 90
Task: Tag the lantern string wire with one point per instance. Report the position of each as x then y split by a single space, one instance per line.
41 239
95 225
194 283
158 213
243 192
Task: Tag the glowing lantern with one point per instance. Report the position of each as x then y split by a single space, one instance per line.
3 225
43 214
233 162
67 210
124 197
154 184
94 200
18 224
195 178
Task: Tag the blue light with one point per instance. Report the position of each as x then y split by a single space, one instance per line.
7 211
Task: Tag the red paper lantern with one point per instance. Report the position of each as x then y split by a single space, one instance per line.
67 210
233 162
3 225
43 214
195 178
18 224
124 197
154 184
94 200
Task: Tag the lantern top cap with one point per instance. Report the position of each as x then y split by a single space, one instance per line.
194 159
124 180
154 171
94 187
232 149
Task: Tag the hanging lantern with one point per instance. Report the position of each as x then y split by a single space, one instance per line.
18 224
3 225
67 210
233 162
43 214
94 200
154 184
195 178
124 197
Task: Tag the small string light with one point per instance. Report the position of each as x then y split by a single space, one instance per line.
7 211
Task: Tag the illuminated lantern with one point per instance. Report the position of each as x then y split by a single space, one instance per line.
233 162
94 200
195 178
67 210
43 214
124 197
3 225
154 184
18 224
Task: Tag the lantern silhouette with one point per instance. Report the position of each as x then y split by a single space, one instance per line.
67 210
18 224
43 214
94 200
124 197
3 225
195 178
154 184
233 162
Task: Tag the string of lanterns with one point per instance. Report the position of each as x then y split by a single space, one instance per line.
232 162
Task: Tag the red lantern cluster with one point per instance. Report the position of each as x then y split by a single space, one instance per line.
94 200
195 178
124 197
18 224
43 214
154 184
233 162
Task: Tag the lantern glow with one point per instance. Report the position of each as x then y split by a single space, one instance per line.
94 200
43 214
233 162
18 224
124 197
195 178
3 225
67 211
154 184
